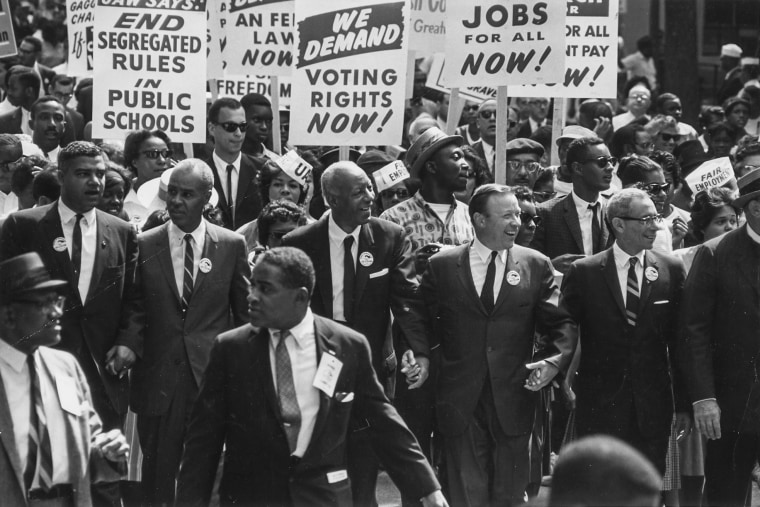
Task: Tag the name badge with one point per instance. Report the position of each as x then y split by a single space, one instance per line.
327 374
67 395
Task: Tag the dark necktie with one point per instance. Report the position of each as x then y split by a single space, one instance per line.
76 249
187 280
486 295
40 457
596 230
632 296
286 392
349 278
230 197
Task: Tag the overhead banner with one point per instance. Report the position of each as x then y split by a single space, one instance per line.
79 20
427 32
472 93
592 51
504 42
350 72
7 38
262 31
238 86
147 61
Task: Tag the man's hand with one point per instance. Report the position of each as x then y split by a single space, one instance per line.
562 263
678 231
422 256
415 369
542 374
119 360
683 425
707 418
434 499
602 126
112 445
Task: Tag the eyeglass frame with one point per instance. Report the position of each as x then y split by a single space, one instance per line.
154 154
647 221
609 161
536 219
524 164
243 126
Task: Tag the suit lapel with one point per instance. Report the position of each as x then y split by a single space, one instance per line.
52 230
573 222
162 250
263 368
322 339
366 244
646 285
222 202
102 242
321 252
464 273
245 175
747 259
609 270
512 265
210 253
606 237
7 437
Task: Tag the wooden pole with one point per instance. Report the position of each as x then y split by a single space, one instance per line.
274 87
343 152
456 104
500 144
558 123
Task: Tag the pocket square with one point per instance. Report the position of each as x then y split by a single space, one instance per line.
344 397
662 302
382 272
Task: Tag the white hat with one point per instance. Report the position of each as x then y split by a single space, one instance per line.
731 50
152 193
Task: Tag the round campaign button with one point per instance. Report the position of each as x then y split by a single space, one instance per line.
513 278
204 265
59 244
366 259
651 274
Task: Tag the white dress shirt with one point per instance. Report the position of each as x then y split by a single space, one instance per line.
89 226
337 236
585 217
221 169
177 246
302 349
480 258
8 203
622 264
753 235
25 117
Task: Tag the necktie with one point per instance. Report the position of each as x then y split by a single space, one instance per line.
187 280
76 248
596 230
286 392
486 295
632 296
349 278
40 458
230 197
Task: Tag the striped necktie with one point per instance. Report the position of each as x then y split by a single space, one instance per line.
187 280
39 462
632 296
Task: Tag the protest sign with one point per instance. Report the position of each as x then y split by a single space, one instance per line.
216 40
713 173
591 54
435 81
262 31
147 60
79 20
504 42
7 38
237 86
427 23
389 175
350 71
295 167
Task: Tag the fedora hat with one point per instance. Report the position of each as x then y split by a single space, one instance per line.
425 146
23 275
749 188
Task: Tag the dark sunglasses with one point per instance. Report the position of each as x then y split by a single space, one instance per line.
401 193
487 114
602 161
655 188
154 154
231 127
526 218
670 137
544 195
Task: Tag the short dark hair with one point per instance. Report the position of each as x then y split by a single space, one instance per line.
278 211
633 169
707 113
717 128
74 150
250 100
43 100
135 139
624 136
578 149
229 103
113 167
661 99
478 165
481 195
523 194
34 41
28 79
23 176
63 80
706 205
295 266
669 165
46 183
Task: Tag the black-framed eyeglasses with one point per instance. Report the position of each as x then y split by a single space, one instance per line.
51 303
648 220
472 108
538 102
654 188
526 218
670 137
154 154
640 96
487 114
231 127
261 121
531 167
544 195
603 161
401 193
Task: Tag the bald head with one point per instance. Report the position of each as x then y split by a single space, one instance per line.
188 192
347 190
196 168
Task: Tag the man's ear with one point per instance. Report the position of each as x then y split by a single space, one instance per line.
430 167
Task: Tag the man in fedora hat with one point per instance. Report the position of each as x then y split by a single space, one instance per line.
718 350
52 438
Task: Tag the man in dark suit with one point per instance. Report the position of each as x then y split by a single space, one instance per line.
45 406
538 108
62 88
719 349
96 254
193 287
29 53
485 301
486 121
626 302
573 226
279 395
360 284
235 173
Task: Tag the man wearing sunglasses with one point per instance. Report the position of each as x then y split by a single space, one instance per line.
626 301
236 175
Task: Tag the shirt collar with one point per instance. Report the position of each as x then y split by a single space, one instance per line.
581 204
484 253
222 164
753 235
622 259
338 235
178 235
424 204
301 332
12 356
68 214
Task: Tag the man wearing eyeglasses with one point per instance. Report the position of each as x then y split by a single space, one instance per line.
625 301
236 175
486 122
523 165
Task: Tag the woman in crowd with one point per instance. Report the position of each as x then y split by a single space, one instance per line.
146 155
476 176
737 115
720 138
276 220
117 186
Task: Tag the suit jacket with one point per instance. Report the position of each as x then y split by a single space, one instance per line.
85 466
560 229
173 341
10 123
388 283
47 75
103 320
476 345
719 350
248 202
238 407
77 123
625 370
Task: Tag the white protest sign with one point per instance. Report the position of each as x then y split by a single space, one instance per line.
350 71
591 51
237 86
216 40
262 31
7 38
295 167
79 20
148 62
713 173
435 81
504 42
389 175
427 24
